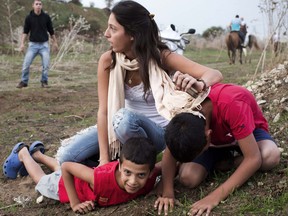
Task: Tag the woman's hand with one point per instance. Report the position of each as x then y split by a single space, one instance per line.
184 82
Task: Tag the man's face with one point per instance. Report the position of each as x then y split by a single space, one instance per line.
37 7
133 176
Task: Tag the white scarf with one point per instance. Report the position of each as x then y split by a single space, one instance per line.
168 101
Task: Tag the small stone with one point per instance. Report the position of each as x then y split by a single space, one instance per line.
39 199
261 102
277 118
283 100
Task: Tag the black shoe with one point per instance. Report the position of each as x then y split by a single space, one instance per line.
22 85
44 84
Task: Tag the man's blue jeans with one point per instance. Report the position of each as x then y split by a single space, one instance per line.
33 50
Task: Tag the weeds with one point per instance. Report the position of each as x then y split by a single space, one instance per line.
76 26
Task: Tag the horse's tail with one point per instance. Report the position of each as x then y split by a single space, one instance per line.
256 44
253 41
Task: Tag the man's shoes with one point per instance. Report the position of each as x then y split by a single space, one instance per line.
22 85
44 84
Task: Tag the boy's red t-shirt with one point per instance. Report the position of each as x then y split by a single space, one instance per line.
235 114
106 190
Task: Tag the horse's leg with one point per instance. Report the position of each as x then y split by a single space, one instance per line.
233 56
245 55
249 55
240 55
229 55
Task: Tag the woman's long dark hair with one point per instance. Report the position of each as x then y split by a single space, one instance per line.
139 23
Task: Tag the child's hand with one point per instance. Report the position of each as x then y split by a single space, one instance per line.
164 203
84 207
204 206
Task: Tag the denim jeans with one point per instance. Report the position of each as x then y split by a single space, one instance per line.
84 145
129 124
80 148
33 50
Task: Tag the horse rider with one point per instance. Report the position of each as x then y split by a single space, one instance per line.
235 25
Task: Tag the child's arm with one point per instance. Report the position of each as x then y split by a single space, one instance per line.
69 170
166 201
250 164
157 168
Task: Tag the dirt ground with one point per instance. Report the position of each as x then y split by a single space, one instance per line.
56 113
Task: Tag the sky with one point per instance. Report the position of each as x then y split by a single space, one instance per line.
201 14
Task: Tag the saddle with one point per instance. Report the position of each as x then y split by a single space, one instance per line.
241 35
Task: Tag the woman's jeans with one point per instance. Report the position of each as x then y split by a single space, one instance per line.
33 50
80 148
84 145
129 124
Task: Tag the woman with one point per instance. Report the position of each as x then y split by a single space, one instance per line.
136 68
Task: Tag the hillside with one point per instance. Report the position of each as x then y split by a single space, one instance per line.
270 90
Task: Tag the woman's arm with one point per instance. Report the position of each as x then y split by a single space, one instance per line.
176 62
103 83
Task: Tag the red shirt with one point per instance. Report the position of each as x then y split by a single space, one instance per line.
106 190
235 114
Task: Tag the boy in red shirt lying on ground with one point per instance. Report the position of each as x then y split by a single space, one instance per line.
113 183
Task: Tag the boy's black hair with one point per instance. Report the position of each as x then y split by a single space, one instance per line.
185 136
139 150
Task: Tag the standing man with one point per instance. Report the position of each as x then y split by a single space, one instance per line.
37 23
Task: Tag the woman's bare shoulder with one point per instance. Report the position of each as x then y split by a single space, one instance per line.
105 59
106 56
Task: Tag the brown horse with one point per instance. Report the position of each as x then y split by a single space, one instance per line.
252 42
233 42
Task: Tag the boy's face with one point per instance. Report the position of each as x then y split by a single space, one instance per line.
133 176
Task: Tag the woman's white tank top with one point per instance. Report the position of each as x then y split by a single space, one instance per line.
135 102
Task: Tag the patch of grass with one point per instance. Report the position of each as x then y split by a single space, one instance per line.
263 205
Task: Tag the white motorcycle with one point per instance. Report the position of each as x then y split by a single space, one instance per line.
175 41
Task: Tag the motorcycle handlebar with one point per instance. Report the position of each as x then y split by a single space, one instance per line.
190 31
